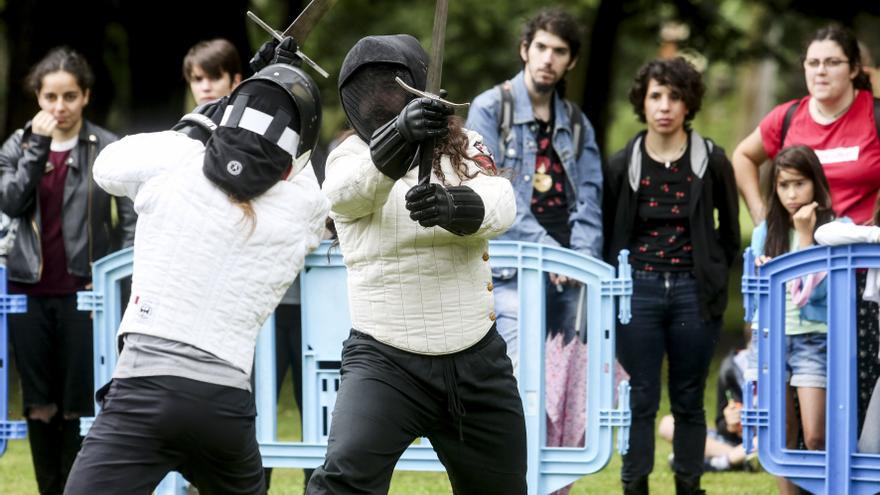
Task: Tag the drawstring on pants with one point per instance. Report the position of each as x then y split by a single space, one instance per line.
450 380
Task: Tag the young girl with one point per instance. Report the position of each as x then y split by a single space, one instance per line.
797 202
846 233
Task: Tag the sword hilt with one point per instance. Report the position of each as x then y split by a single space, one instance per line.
275 34
426 94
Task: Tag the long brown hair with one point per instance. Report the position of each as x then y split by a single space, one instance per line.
455 146
803 160
248 215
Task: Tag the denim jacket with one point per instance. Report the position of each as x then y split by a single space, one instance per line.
584 186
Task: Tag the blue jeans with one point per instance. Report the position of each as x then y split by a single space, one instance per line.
562 302
807 359
666 320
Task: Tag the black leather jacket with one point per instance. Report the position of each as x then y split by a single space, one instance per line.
86 212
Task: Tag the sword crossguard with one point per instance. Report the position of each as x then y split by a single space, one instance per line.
427 94
275 34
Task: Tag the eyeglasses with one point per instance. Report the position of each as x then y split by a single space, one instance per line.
829 63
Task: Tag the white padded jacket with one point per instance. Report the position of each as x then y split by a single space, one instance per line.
201 275
423 290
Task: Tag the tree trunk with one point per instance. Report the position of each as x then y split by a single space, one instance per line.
599 71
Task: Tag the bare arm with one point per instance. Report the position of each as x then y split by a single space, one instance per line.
747 157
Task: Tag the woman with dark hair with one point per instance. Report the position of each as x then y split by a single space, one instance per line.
836 120
662 194
64 223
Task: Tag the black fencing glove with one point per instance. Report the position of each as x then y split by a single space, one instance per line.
275 52
393 146
264 55
423 118
457 209
203 120
285 53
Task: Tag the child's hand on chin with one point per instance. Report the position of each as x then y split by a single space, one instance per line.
805 223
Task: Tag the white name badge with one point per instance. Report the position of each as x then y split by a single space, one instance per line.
837 155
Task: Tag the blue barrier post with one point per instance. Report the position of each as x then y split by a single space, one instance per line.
8 304
839 469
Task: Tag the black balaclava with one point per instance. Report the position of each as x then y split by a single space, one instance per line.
255 142
370 96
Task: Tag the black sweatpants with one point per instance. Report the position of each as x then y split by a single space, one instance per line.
465 403
149 426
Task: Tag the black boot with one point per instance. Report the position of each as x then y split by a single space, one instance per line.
688 486
45 441
636 487
71 441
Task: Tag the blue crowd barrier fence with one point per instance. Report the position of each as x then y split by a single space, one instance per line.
839 469
326 324
9 430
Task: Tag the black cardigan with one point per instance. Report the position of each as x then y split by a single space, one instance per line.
713 188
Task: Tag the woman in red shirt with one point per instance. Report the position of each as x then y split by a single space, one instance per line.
836 120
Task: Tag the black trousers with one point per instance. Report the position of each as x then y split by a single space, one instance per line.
666 320
465 403
152 425
52 345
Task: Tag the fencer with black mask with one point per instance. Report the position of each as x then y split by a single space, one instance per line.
223 229
423 357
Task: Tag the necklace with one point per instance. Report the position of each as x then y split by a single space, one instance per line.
667 162
832 118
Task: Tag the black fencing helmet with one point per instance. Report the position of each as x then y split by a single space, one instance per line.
370 96
272 121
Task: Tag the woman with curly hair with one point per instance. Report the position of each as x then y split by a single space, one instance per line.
662 194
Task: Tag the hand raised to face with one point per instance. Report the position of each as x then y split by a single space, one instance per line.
43 123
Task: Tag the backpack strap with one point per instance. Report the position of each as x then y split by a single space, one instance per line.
789 114
577 128
505 120
505 116
877 115
786 121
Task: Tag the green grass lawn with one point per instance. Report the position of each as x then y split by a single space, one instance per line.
16 473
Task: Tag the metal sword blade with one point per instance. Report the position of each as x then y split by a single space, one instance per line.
438 41
435 72
302 26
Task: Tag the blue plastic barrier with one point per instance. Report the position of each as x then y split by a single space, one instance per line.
326 324
8 304
839 470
